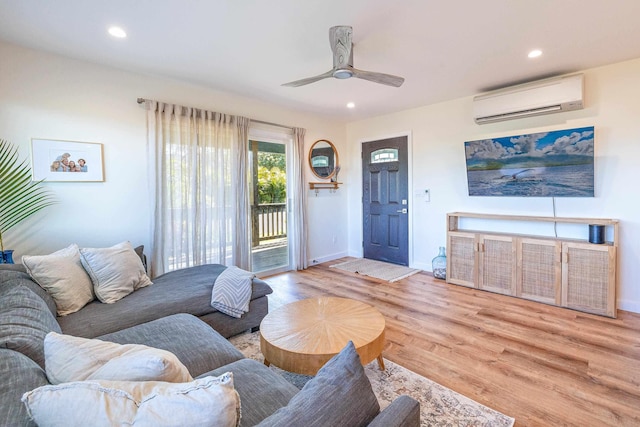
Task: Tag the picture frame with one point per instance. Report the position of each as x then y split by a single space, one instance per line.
555 163
66 161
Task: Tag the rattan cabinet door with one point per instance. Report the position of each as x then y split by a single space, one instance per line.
461 258
539 275
589 277
497 264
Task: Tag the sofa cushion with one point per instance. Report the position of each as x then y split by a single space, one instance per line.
62 275
340 394
115 271
194 343
181 291
228 327
19 374
209 401
70 358
262 391
13 267
12 279
24 322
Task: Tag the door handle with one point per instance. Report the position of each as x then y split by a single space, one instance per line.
402 211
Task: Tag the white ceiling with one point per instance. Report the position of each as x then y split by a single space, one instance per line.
445 49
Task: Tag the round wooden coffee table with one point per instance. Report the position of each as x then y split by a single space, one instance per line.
302 336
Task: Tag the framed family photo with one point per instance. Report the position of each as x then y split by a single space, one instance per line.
68 161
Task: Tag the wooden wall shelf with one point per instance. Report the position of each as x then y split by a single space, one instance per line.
566 272
320 185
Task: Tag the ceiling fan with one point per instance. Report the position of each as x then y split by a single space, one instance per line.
340 38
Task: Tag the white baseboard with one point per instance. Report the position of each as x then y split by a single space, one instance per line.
422 266
319 260
627 305
356 254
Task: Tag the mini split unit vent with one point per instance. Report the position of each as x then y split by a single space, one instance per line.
530 99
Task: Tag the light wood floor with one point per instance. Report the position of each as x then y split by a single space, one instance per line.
542 365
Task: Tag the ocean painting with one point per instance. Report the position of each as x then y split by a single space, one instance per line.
545 164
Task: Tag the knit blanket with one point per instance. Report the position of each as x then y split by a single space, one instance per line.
232 291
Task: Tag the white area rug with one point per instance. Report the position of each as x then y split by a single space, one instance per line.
377 269
439 406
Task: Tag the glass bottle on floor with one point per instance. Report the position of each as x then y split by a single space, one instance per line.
439 264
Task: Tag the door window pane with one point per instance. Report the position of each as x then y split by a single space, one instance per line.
384 155
320 161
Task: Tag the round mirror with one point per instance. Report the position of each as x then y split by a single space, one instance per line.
323 159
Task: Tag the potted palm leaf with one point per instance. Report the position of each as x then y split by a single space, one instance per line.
20 197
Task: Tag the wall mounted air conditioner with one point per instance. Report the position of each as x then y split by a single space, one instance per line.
530 99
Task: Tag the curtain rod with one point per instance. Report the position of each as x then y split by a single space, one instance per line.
271 124
142 100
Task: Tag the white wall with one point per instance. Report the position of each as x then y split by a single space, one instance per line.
52 97
48 96
438 135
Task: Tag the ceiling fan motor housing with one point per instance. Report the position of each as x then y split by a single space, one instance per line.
341 45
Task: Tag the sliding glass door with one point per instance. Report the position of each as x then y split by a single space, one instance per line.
268 184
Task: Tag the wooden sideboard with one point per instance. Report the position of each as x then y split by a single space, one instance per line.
566 272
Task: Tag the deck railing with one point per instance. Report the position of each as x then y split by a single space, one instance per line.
268 221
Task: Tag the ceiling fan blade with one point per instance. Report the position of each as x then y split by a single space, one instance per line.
385 79
340 38
308 80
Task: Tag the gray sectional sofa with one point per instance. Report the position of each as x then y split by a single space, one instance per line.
174 314
181 291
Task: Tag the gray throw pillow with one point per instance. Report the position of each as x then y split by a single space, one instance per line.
339 395
25 320
143 258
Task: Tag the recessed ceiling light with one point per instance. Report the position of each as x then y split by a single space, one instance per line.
535 53
117 32
351 105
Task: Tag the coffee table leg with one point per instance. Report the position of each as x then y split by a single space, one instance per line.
380 362
267 363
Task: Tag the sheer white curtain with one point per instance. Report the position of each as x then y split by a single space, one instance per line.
242 250
300 232
199 187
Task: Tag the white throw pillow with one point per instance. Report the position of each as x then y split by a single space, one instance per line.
61 274
68 358
208 401
115 272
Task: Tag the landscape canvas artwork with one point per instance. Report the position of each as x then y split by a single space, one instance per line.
557 163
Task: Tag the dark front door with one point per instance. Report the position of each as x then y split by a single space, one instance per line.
385 200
